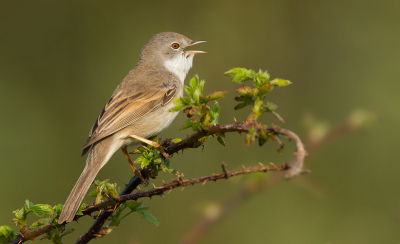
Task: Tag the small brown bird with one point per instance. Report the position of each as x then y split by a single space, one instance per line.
138 109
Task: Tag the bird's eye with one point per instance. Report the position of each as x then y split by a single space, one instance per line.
175 45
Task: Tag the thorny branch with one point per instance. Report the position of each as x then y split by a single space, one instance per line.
192 141
253 188
96 231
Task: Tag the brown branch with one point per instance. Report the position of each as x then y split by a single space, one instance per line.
191 141
96 227
182 183
134 182
253 188
297 167
32 234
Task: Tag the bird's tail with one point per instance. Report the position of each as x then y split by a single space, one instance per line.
97 158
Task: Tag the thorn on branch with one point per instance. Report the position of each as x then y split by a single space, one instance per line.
179 178
225 170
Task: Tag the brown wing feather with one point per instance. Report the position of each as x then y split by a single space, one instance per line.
169 95
123 111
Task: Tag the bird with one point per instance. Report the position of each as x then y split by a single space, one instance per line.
137 110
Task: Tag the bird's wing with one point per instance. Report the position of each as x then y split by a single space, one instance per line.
123 110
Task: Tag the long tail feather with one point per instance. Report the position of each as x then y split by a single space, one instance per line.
98 157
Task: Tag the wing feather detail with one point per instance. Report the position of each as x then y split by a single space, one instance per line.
121 111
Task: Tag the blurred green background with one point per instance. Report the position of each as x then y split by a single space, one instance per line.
61 61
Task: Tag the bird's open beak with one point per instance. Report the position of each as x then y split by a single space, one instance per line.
194 43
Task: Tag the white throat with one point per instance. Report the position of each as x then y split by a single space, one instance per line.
180 65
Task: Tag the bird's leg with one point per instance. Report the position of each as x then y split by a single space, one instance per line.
152 143
137 172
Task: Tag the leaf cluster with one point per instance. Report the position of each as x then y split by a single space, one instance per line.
255 97
118 215
200 115
150 157
48 216
103 191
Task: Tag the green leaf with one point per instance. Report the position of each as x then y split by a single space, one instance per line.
144 162
271 106
262 77
81 207
278 116
143 208
201 85
40 209
185 100
167 162
240 106
19 213
247 99
168 170
5 230
179 105
245 90
196 126
240 74
6 234
221 140
216 108
132 205
93 193
196 95
265 88
214 96
194 81
280 82
148 217
180 101
188 91
57 209
40 223
96 183
189 124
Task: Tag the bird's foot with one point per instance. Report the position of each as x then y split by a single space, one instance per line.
145 181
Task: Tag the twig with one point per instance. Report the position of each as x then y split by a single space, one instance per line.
96 227
32 234
297 167
249 190
191 141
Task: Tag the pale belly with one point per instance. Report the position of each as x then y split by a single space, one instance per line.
149 125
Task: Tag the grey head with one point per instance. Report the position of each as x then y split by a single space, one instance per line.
167 49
